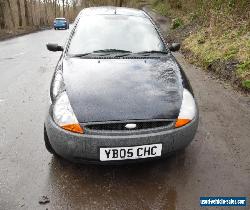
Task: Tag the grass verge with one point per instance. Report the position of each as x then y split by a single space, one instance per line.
218 40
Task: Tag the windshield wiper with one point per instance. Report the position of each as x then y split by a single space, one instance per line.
102 53
79 55
152 52
111 51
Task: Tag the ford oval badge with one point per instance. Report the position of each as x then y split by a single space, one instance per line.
130 126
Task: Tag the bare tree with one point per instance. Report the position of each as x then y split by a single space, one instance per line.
32 13
54 2
2 17
20 20
11 13
40 12
74 3
26 13
46 12
120 3
67 8
63 8
31 16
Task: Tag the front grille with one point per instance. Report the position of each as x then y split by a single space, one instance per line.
120 126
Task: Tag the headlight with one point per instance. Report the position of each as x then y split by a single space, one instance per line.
187 111
64 115
58 83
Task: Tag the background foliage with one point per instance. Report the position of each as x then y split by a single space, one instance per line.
214 34
18 14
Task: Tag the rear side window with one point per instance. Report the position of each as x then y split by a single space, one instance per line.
121 32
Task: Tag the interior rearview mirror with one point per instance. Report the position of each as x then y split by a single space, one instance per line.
175 47
54 47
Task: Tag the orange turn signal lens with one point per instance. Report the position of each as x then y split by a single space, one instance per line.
76 128
181 122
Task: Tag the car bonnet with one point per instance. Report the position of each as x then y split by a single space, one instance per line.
123 89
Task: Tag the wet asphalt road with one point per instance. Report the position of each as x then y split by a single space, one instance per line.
217 163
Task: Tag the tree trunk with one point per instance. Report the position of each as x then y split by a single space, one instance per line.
63 8
74 3
46 12
67 9
20 21
26 13
31 13
55 7
11 14
120 3
83 4
40 12
2 17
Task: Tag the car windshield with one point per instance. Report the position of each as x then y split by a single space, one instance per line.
60 20
118 32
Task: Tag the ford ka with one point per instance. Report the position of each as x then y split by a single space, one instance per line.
117 93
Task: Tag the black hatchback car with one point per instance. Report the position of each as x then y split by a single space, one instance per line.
117 93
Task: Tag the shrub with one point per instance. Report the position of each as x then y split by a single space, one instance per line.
176 23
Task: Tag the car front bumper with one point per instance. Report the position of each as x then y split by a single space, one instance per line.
60 26
86 147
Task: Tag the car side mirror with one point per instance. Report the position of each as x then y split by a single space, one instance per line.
174 47
54 47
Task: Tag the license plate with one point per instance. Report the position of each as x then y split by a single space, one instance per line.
126 153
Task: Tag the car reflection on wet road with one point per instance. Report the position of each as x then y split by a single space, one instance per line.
215 164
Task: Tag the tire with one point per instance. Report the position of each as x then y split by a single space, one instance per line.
47 143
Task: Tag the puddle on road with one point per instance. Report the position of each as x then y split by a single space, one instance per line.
138 186
12 57
171 196
42 69
9 58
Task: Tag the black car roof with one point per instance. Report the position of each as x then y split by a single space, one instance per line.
110 10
